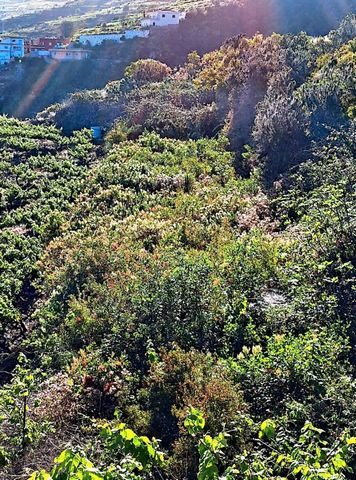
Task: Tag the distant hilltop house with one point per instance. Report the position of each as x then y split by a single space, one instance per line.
162 18
95 39
11 48
69 54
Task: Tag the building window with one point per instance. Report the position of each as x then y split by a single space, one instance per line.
163 15
173 16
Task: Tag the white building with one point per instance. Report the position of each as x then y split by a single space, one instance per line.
95 39
67 54
10 48
162 18
40 53
136 33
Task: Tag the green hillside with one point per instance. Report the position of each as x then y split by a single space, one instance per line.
177 300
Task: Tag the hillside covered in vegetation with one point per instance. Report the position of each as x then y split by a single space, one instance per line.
178 301
36 85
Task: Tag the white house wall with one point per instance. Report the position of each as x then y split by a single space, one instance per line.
130 34
95 40
162 19
64 55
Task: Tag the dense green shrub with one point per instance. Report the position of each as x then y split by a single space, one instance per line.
144 71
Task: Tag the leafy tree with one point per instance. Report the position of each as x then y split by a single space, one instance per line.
144 71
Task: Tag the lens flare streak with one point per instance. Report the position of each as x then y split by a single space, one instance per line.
37 89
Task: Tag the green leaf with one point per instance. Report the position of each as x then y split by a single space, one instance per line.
267 429
194 421
3 457
339 462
